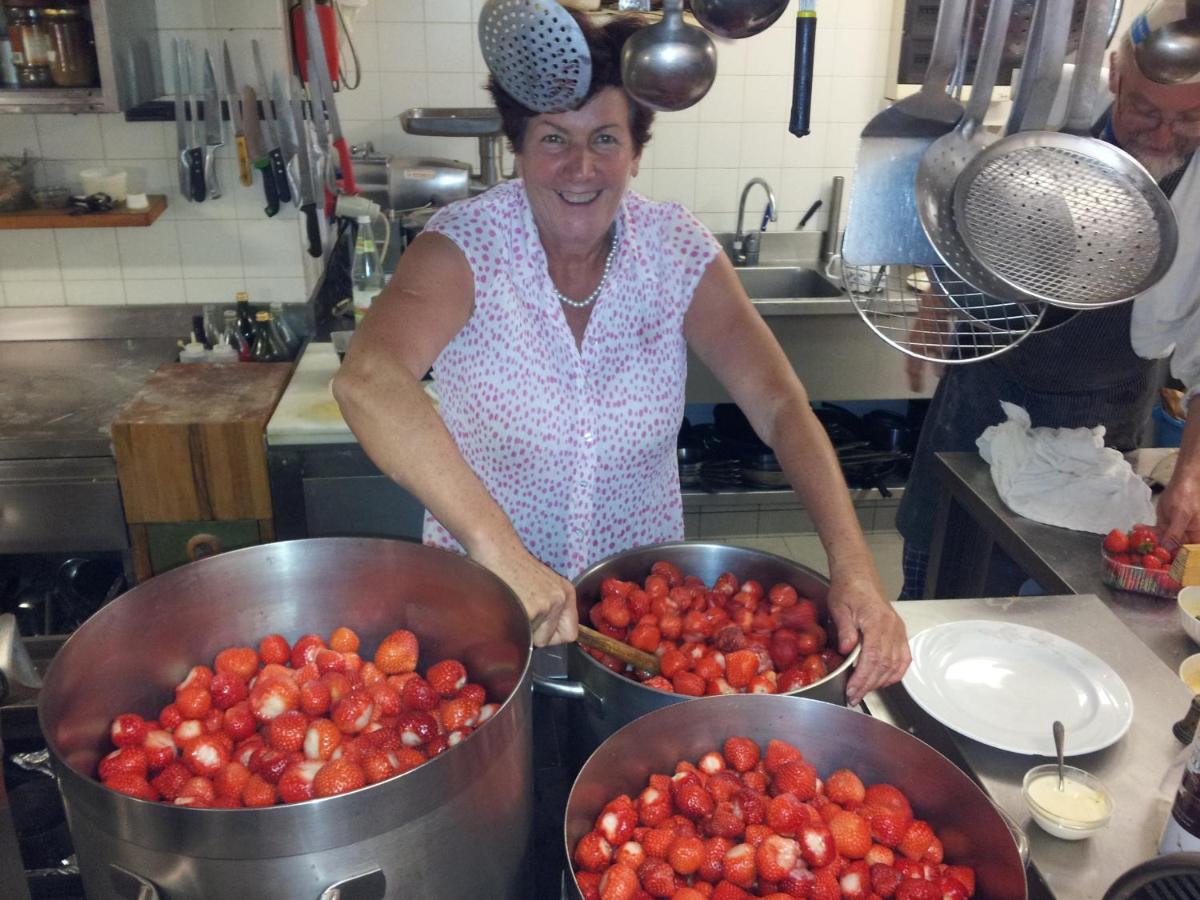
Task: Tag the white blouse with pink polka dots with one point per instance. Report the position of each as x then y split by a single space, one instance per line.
577 445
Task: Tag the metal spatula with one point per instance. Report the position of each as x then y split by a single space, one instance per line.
882 226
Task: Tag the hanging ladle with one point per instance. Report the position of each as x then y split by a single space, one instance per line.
1059 738
669 65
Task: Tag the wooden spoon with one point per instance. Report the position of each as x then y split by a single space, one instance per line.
646 662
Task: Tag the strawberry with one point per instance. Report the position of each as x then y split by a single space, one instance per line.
297 781
614 609
887 825
787 815
964 875
238 721
589 885
1116 541
193 702
845 788
686 854
231 780
912 889
593 853
188 729
796 777
692 800
416 728
725 822
274 649
378 767
316 698
933 856
917 840
273 697
128 730
170 781
778 753
197 677
654 806
170 717
740 867
740 667
750 806
329 660
880 855
657 878
851 834
398 652
343 640
132 784
711 763
438 744
305 649
885 879
198 792
647 638
617 820
371 676
386 700
632 854
160 748
741 753
457 713
124 760
656 842
713 865
228 689
286 732
353 712
258 792
619 882
338 776
951 888
887 796
239 661
855 881
269 763
776 856
205 755
817 845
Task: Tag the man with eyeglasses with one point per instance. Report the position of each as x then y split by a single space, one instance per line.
1098 367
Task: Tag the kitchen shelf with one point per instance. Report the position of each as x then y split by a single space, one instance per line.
54 218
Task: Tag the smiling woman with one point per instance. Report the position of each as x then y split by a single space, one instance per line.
557 311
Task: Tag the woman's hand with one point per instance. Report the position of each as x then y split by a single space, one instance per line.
548 598
1178 509
858 607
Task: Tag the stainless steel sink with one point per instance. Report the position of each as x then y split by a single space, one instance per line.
786 283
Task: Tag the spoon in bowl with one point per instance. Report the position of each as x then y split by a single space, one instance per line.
1059 737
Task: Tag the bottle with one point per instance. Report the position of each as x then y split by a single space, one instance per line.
193 351
1183 825
223 351
213 328
231 333
366 274
245 317
283 331
266 347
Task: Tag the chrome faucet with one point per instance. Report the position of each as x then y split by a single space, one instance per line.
745 246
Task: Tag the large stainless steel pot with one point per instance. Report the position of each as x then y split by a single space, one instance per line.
831 737
457 826
608 700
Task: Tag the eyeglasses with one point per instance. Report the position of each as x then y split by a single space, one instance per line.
1147 117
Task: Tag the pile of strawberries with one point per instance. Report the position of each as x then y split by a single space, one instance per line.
281 723
732 638
1135 561
740 824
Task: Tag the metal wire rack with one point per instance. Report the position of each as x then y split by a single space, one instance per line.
929 312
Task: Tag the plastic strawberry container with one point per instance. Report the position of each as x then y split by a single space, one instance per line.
1140 580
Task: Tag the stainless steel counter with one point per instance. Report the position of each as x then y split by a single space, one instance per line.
1133 768
973 524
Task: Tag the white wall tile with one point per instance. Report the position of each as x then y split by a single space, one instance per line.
269 250
723 102
448 11
677 144
34 293
19 135
731 56
861 51
243 14
366 43
185 14
719 145
841 143
798 188
401 92
95 293
805 152
150 252
716 190
225 207
855 99
276 290
452 89
761 146
151 291
768 98
208 252
863 13
400 11
678 185
69 136
28 256
134 140
3 301
213 290
87 254
449 48
401 46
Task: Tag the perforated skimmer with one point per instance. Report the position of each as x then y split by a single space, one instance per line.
1064 217
537 52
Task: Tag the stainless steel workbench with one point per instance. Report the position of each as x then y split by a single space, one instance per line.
1133 768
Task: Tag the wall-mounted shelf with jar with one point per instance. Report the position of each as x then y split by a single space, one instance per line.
120 217
78 56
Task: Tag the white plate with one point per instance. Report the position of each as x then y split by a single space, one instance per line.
1005 684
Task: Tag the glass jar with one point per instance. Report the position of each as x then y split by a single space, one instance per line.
30 37
72 55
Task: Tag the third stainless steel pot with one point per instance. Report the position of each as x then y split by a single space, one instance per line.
457 826
607 700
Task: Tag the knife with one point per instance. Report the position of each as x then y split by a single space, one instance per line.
195 153
308 187
239 135
274 145
258 153
181 141
212 127
287 133
319 75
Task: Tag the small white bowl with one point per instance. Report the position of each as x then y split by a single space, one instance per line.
1060 824
1189 672
1188 602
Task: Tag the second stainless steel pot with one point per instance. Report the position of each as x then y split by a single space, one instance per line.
608 701
458 825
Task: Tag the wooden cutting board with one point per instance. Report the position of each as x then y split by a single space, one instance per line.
189 445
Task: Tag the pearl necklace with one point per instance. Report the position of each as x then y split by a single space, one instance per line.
591 298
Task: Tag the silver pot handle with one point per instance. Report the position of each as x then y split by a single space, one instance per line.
367 886
559 687
131 886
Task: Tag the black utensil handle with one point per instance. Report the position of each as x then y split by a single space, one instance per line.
313 227
279 170
270 188
195 161
806 41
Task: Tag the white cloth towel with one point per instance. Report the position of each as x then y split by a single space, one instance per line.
1063 476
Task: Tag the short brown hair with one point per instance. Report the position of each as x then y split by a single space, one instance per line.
604 42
